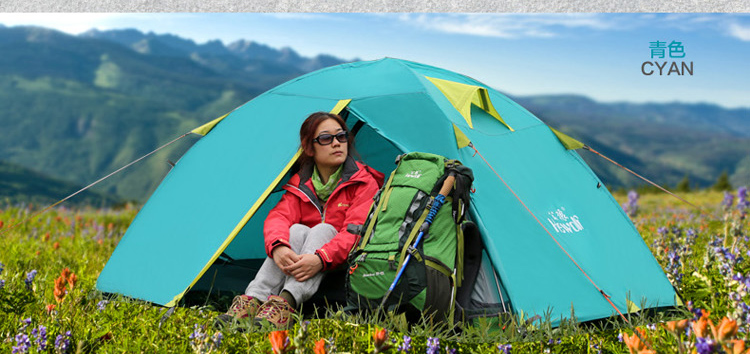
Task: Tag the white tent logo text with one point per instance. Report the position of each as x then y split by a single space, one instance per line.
562 223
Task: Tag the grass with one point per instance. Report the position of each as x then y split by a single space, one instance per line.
703 251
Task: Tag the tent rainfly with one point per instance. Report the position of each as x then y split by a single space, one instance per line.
554 237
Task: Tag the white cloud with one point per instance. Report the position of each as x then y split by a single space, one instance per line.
740 32
507 25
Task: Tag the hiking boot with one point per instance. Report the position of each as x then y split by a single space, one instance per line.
243 306
276 311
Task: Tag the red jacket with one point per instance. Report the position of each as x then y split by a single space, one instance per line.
348 204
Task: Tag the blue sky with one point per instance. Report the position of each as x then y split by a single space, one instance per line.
596 55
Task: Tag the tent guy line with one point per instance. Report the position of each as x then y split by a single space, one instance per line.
92 184
586 147
607 297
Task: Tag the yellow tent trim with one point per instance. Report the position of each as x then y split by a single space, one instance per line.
205 128
461 139
632 307
240 225
462 96
568 142
340 106
258 202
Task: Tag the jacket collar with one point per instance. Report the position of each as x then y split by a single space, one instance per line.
350 168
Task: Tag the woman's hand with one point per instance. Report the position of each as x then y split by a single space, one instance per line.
307 266
284 257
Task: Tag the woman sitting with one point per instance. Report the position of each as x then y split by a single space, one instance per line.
306 232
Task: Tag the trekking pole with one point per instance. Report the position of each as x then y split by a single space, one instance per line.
436 204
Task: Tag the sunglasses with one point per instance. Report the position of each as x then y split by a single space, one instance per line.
325 139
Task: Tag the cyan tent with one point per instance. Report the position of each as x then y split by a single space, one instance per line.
554 237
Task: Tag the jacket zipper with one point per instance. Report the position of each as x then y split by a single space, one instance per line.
311 201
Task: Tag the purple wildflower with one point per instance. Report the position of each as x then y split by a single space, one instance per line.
2 267
631 206
433 345
41 338
197 334
662 230
697 313
705 346
24 324
451 351
217 337
742 202
62 342
101 305
22 344
30 278
504 348
728 201
2 283
406 346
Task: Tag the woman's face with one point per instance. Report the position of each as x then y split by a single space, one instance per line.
331 155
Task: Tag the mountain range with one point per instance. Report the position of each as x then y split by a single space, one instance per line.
76 108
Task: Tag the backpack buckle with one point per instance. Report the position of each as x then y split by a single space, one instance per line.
414 253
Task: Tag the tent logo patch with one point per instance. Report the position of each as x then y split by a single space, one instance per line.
563 223
414 174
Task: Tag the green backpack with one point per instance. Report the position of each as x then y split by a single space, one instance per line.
391 236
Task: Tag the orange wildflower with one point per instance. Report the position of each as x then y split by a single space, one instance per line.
51 307
320 346
380 337
56 245
60 291
727 329
46 237
110 226
634 342
738 346
676 327
279 342
700 327
65 273
72 280
647 351
1 223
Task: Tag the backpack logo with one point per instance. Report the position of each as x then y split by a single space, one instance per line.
414 174
343 205
376 274
563 223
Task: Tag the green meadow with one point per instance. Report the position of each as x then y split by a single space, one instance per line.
50 263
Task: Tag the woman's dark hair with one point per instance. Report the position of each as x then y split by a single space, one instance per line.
307 134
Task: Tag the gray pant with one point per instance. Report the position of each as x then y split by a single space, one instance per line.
271 280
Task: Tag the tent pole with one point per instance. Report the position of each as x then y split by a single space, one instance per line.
497 283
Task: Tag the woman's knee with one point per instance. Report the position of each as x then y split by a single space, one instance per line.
323 231
323 227
297 236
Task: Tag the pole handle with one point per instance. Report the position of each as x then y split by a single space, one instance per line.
448 184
